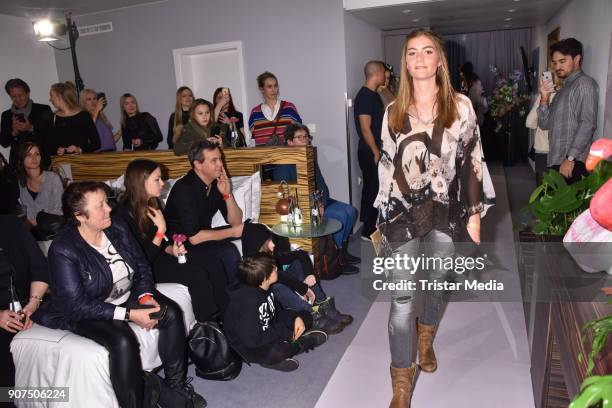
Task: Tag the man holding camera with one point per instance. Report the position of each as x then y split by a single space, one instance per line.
24 121
571 118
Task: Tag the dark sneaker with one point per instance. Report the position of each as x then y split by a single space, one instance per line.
186 394
321 322
350 258
310 340
348 269
287 365
328 307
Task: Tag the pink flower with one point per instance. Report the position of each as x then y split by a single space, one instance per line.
179 238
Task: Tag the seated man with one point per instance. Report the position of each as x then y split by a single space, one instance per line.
297 134
192 203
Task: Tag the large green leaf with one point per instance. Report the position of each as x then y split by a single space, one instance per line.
536 193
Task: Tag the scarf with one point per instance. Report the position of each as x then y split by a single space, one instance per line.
26 110
200 131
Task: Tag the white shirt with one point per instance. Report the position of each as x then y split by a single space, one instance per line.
269 113
122 276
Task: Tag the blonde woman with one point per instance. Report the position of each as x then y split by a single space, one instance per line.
139 130
93 104
180 116
72 130
434 186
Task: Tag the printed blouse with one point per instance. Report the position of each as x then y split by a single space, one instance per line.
431 177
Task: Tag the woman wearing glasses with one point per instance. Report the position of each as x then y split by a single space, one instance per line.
434 187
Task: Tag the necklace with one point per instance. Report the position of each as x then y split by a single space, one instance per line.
422 121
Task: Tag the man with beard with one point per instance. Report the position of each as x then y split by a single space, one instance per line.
571 118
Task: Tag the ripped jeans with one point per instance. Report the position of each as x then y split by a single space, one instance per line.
408 305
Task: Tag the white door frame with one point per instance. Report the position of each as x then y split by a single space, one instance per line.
212 49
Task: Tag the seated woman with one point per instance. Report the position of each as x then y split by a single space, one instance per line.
72 130
268 121
100 280
299 135
180 116
141 209
91 103
39 190
229 120
139 130
9 188
22 265
198 128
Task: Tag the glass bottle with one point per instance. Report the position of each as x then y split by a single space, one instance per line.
15 304
297 211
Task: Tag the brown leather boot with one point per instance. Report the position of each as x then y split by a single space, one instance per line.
402 379
427 357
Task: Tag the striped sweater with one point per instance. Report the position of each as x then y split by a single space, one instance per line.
262 128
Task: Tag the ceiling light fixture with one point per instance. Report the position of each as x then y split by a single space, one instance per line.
416 20
508 19
511 10
507 25
406 11
47 30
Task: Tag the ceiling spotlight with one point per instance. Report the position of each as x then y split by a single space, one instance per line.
47 30
516 1
507 25
416 20
508 19
406 11
511 10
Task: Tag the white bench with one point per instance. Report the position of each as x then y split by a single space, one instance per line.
58 358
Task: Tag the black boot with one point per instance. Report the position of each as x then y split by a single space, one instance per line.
328 306
310 340
152 389
182 395
287 365
321 322
348 269
351 259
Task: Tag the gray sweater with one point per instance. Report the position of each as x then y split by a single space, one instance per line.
49 198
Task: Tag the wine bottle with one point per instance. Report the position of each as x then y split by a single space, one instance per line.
314 210
297 211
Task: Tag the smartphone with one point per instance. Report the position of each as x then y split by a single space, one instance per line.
225 91
547 75
21 117
160 314
100 95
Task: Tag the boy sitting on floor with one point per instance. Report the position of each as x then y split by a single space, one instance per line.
258 328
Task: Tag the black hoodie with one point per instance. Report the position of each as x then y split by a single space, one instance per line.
253 237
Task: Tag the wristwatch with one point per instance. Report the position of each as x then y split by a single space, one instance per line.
571 158
127 314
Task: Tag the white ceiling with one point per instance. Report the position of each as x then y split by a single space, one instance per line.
55 8
454 16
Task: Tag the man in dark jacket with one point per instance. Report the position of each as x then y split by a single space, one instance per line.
258 329
24 121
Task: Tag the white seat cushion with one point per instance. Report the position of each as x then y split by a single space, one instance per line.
58 358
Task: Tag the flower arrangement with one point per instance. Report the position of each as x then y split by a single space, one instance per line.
507 96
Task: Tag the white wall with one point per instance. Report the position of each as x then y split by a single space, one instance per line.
26 58
363 42
300 41
589 22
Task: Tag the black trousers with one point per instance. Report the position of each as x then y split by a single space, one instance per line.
577 173
124 351
197 277
369 173
7 372
222 259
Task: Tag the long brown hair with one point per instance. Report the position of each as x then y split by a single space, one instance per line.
178 108
135 199
22 152
204 102
446 100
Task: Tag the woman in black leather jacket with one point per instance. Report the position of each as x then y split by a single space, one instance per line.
139 130
100 280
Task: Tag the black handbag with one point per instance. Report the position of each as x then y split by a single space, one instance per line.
48 225
211 352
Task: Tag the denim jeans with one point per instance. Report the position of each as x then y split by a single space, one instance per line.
407 306
346 215
291 300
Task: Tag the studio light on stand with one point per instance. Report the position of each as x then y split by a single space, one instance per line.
47 31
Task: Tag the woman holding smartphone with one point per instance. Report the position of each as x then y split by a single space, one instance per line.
141 209
228 120
100 280
434 187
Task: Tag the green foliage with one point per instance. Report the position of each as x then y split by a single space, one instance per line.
555 204
601 329
595 391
